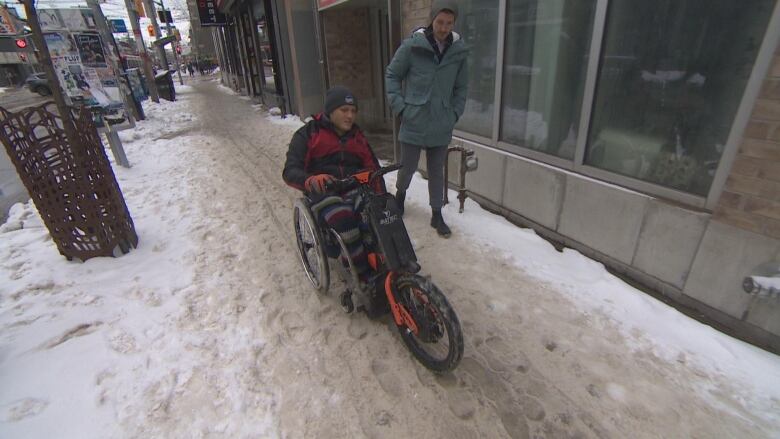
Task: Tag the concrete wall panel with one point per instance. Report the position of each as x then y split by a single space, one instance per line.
764 312
535 192
488 179
726 255
604 218
668 241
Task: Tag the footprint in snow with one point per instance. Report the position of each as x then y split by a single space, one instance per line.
25 408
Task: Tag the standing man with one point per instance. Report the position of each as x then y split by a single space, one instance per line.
432 64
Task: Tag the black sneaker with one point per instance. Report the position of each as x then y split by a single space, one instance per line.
400 196
437 222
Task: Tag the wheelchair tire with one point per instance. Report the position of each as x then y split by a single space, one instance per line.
438 345
311 247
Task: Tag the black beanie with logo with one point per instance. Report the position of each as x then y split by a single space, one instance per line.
338 96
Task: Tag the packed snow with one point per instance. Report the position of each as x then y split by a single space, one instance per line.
152 344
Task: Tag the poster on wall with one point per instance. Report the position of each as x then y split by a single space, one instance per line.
6 23
90 50
80 64
49 19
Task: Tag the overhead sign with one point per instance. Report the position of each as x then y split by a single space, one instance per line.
164 17
324 4
118 26
209 14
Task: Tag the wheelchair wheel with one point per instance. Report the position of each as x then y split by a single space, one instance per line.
310 247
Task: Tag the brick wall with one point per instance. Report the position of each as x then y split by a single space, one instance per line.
751 197
414 13
348 50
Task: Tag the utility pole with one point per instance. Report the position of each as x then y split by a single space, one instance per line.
139 42
124 88
45 60
173 44
151 12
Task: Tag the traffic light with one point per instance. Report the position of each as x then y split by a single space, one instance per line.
21 43
150 29
178 50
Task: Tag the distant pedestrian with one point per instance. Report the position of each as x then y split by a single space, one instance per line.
10 78
432 64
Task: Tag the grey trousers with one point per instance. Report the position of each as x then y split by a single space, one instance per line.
435 157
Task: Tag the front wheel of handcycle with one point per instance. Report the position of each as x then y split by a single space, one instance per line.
438 341
310 247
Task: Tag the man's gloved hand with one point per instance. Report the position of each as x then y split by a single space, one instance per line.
316 183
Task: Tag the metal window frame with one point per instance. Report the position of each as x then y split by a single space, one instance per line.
591 78
577 164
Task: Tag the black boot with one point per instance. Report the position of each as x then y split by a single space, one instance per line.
400 196
437 222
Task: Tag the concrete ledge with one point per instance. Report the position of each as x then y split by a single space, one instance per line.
535 191
668 241
602 217
726 255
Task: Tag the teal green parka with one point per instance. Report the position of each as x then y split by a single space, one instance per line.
435 93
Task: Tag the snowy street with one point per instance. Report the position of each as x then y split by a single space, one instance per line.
210 328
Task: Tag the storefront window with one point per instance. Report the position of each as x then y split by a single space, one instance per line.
672 74
545 63
478 25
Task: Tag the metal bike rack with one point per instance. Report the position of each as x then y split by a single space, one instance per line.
468 163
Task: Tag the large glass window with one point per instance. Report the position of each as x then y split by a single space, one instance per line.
478 25
545 63
672 75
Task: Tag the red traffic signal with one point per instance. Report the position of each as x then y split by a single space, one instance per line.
21 43
178 50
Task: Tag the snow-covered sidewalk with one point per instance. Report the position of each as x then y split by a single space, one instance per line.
209 328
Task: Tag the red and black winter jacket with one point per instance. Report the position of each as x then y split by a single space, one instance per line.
316 148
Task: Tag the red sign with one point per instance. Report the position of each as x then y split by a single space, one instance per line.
323 4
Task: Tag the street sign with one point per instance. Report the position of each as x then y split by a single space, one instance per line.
209 14
164 18
118 26
164 41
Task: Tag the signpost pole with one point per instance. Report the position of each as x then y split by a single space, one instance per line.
151 12
127 97
151 85
173 43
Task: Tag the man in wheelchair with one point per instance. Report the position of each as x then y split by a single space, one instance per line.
331 146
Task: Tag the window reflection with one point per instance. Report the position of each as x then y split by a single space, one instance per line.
545 63
478 25
672 74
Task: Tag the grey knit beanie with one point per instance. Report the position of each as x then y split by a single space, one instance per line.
338 96
438 5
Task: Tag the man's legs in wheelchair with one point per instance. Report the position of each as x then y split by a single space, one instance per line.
340 217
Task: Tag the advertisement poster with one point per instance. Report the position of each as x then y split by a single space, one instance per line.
6 23
49 19
60 44
74 19
90 50
80 62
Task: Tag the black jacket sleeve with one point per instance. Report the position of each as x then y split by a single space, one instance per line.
294 173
